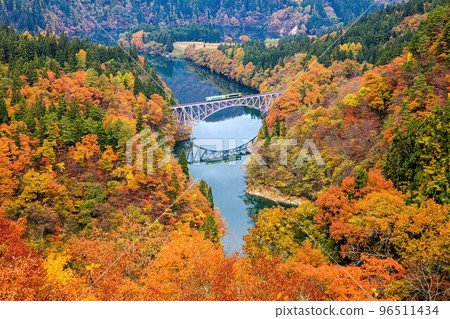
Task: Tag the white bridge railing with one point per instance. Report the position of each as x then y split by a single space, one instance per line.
196 112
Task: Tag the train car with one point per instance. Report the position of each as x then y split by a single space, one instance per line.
234 95
216 98
224 97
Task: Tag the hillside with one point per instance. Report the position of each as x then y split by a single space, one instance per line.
76 17
376 106
361 115
78 223
67 109
267 67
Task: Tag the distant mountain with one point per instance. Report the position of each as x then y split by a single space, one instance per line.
276 16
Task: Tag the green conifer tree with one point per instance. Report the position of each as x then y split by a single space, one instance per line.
276 128
210 229
183 162
210 197
139 121
361 178
4 117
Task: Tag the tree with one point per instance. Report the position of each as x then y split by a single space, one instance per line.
86 150
81 58
107 159
210 197
283 129
203 187
417 161
182 161
264 133
375 91
276 128
210 229
361 178
139 122
280 232
22 276
173 189
186 268
4 117
244 38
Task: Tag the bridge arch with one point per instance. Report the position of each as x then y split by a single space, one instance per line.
191 114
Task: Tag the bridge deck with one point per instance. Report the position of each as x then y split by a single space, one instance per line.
227 100
193 113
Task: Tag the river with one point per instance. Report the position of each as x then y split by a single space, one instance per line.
190 83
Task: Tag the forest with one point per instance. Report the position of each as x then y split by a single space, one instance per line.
377 109
78 223
277 16
250 62
157 40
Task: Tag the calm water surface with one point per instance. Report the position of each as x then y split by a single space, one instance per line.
191 83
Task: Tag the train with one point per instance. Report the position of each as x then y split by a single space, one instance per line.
224 97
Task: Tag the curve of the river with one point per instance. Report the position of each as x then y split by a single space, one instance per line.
225 129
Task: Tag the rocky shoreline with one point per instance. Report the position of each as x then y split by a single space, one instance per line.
274 195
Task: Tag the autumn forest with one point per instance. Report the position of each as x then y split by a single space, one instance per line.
78 223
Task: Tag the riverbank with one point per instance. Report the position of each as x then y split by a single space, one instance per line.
191 83
230 64
274 195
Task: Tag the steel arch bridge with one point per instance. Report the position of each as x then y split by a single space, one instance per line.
198 154
191 114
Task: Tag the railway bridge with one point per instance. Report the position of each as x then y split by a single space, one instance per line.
193 113
199 154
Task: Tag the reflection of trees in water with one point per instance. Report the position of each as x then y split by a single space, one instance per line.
185 85
192 83
233 112
255 203
220 82
163 65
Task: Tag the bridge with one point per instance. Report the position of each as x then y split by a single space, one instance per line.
198 154
191 114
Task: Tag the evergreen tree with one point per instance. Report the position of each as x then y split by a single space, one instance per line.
264 133
411 152
210 229
138 86
361 178
183 162
174 187
365 68
21 111
206 190
210 197
203 187
276 128
139 121
4 117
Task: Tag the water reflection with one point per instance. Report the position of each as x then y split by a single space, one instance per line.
190 83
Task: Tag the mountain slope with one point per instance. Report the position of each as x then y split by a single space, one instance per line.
277 15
